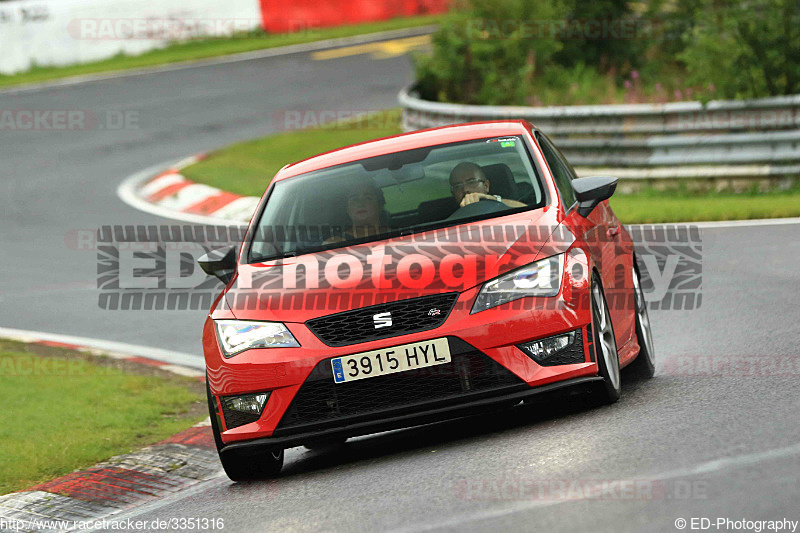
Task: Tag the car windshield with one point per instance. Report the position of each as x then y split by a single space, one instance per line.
396 194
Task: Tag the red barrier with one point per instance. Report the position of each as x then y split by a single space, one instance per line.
281 16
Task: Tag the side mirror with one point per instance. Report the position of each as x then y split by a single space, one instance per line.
591 191
220 263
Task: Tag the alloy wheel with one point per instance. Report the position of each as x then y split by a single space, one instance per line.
644 319
605 337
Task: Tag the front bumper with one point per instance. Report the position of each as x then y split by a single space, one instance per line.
493 334
396 419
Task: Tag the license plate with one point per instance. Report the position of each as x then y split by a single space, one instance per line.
390 360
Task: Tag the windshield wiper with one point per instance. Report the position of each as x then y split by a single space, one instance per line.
447 222
395 232
263 258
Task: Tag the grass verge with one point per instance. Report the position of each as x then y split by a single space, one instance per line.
211 47
246 169
65 410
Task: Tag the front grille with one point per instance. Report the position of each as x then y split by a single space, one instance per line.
234 418
321 400
407 316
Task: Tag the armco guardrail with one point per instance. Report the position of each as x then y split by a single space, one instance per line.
739 138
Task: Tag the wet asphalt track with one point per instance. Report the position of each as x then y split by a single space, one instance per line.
55 182
726 445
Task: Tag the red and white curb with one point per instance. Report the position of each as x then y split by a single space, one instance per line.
166 192
90 499
84 500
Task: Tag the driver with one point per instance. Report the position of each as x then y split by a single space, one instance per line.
469 184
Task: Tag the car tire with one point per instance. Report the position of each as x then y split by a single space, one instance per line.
605 346
644 366
237 465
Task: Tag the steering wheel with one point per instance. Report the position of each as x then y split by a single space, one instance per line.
484 206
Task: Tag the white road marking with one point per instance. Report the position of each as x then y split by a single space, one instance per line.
241 209
698 171
160 183
189 196
724 223
742 223
204 424
183 371
112 348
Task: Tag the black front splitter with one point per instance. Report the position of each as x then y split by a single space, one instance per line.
378 423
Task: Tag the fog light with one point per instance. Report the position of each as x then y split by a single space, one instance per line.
240 410
252 404
544 348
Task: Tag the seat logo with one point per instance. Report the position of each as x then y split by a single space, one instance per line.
382 320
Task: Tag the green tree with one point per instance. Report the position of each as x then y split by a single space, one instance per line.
488 51
596 34
747 49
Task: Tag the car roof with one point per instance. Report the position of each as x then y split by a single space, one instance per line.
405 141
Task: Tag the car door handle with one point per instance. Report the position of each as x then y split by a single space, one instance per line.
613 231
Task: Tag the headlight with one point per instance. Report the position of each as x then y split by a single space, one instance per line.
542 278
236 336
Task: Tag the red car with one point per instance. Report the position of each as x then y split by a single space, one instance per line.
417 278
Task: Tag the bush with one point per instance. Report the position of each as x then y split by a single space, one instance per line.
517 52
746 49
488 52
604 52
500 52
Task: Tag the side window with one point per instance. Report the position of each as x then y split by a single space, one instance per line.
560 169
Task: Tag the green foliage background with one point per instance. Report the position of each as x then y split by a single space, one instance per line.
528 52
747 49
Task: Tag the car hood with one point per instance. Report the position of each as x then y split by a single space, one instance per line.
452 259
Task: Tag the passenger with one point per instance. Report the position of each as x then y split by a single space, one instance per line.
469 184
365 207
